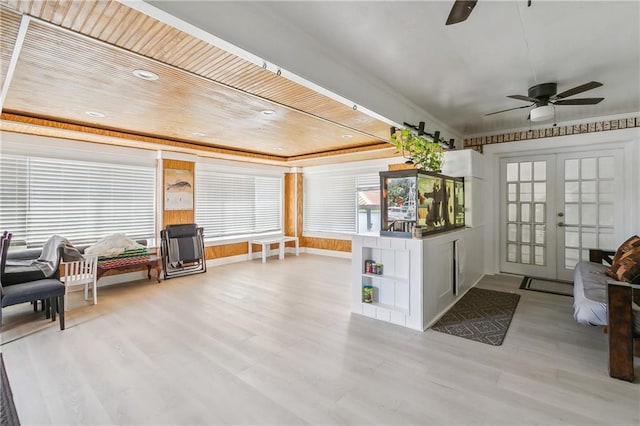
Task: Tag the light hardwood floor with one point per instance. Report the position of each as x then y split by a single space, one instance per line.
275 343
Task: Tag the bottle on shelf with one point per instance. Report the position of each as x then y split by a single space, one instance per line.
367 294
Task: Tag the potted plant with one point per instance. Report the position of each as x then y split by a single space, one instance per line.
426 154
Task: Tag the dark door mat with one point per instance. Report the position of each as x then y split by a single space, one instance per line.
561 288
8 414
480 315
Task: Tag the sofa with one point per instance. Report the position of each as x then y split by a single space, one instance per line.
601 299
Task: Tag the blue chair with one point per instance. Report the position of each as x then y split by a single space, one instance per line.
51 290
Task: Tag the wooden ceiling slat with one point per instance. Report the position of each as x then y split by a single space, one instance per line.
71 13
49 9
110 14
9 25
149 38
121 26
129 37
113 33
161 37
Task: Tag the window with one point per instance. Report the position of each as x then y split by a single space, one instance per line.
342 204
368 187
233 204
82 201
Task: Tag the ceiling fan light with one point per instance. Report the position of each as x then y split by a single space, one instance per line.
542 113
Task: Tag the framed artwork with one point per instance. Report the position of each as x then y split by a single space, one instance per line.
178 189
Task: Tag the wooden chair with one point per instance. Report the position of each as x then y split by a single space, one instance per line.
51 290
82 272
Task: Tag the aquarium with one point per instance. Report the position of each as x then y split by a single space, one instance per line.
413 198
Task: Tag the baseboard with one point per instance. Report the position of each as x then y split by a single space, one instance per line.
274 253
332 253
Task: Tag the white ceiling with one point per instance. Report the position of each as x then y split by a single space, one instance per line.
398 59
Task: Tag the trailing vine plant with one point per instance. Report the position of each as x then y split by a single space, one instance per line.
428 155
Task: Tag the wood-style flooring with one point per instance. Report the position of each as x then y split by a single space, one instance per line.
275 343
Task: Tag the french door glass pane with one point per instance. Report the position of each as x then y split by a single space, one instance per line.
588 214
525 212
540 191
571 192
539 255
525 171
525 191
512 172
539 213
588 168
540 171
571 169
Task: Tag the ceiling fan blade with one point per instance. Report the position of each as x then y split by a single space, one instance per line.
578 89
510 109
580 101
523 98
460 11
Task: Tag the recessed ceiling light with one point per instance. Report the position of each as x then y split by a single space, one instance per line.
95 114
145 75
347 136
199 134
268 112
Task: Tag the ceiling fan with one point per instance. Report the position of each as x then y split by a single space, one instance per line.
462 9
544 98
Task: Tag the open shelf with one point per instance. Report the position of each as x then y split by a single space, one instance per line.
387 277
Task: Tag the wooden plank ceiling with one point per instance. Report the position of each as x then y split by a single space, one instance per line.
79 56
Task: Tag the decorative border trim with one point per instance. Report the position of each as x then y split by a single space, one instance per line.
477 143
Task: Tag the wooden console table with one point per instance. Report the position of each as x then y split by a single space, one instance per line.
154 262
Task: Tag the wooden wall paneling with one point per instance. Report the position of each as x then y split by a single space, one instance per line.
226 250
43 127
326 244
177 216
292 206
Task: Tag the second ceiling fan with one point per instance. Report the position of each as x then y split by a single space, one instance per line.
543 97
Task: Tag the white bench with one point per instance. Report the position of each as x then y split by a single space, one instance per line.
266 244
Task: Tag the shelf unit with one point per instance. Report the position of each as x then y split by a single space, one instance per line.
420 281
392 291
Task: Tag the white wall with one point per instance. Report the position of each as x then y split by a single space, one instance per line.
626 139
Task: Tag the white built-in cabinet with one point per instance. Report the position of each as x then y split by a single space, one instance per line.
421 278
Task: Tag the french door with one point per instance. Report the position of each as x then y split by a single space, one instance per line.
555 207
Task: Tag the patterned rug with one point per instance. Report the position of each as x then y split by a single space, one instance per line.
561 288
8 414
480 315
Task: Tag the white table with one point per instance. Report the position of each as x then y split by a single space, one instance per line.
266 244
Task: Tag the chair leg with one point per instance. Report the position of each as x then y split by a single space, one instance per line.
95 290
47 308
60 301
54 307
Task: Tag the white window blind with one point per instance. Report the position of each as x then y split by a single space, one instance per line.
329 203
82 201
230 204
368 181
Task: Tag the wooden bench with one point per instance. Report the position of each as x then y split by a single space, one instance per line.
151 261
266 245
624 341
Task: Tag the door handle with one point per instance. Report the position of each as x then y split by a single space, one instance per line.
561 224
